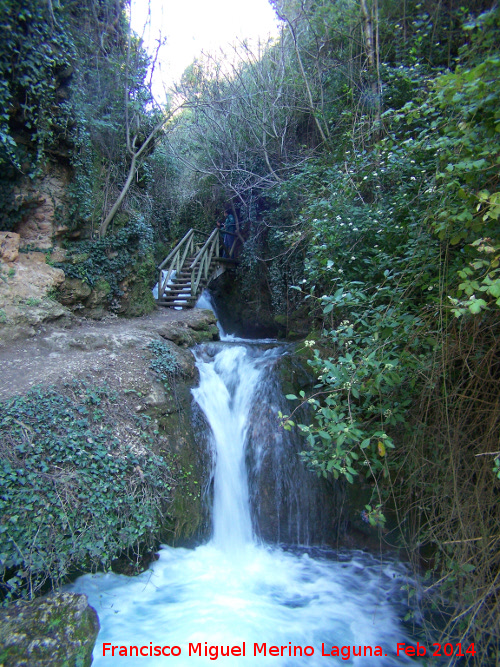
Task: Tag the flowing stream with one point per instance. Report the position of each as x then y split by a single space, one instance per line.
236 592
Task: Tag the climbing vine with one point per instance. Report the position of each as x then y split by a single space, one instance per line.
111 259
35 62
163 363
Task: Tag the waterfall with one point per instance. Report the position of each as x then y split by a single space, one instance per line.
227 386
238 593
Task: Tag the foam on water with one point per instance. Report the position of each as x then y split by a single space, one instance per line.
206 301
260 595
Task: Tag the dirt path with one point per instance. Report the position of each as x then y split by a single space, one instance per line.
112 350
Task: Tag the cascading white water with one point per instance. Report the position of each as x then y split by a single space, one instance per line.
225 395
234 592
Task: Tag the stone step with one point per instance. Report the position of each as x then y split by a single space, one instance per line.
181 304
177 288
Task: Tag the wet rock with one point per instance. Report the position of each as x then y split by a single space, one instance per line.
181 334
57 630
296 324
184 441
290 505
200 319
249 316
198 326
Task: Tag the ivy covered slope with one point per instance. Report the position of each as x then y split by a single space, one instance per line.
102 464
75 494
361 152
80 169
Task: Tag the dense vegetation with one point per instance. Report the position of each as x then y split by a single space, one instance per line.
79 484
360 153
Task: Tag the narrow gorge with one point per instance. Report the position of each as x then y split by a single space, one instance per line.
249 332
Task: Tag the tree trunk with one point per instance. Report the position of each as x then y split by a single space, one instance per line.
105 223
373 58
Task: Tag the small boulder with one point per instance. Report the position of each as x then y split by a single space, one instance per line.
57 630
73 291
200 319
156 396
197 326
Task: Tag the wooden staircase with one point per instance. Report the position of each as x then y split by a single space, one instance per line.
191 266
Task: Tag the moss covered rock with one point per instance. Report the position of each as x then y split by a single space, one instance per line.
137 298
182 440
242 314
73 291
59 630
199 326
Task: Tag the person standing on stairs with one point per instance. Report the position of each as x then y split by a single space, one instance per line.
229 226
220 226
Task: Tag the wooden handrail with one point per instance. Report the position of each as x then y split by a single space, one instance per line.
176 262
184 238
198 255
204 259
201 266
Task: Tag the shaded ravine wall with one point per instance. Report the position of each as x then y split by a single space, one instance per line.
290 505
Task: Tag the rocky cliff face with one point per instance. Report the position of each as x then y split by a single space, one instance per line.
27 284
42 204
289 504
33 291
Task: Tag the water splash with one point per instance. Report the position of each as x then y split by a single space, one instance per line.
206 301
